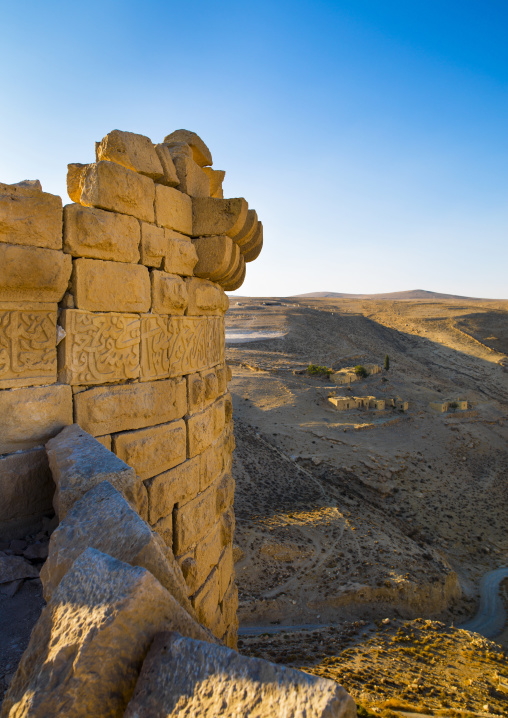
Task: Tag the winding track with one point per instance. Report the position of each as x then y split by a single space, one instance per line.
491 617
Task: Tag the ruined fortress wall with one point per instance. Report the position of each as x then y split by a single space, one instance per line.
112 316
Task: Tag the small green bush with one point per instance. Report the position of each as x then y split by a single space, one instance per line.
361 371
316 370
387 362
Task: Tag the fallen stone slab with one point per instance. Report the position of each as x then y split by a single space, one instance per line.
13 568
79 462
102 519
181 676
88 646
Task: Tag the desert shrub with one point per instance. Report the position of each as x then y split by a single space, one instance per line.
316 370
361 371
387 362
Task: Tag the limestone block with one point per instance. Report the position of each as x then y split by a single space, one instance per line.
101 286
192 180
221 372
135 152
164 528
224 494
230 638
212 463
31 416
249 228
29 216
206 556
78 462
228 526
173 209
252 249
202 390
214 257
229 372
169 293
178 485
204 297
81 661
153 245
26 488
75 178
174 346
216 178
14 568
27 347
204 428
110 409
169 178
206 601
181 256
153 450
102 519
225 568
213 217
193 520
95 233
105 441
32 274
98 348
200 151
233 265
238 278
228 408
229 602
108 185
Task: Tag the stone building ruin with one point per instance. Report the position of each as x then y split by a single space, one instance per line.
113 387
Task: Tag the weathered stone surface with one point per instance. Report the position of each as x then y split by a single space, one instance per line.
216 178
169 178
174 346
181 677
98 348
202 390
29 274
102 519
253 247
178 485
213 217
30 216
205 297
108 185
198 564
173 209
204 428
13 568
27 347
224 494
192 180
249 228
229 598
225 567
101 286
206 604
29 417
194 519
181 255
109 409
164 528
135 152
81 661
105 441
237 279
95 233
79 462
200 151
212 463
26 486
152 450
169 293
75 178
153 245
214 257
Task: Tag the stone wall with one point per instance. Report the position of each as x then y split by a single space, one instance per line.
112 317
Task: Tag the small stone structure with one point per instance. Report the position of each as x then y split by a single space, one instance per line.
342 403
448 404
347 375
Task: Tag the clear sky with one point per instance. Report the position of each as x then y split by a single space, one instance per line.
370 135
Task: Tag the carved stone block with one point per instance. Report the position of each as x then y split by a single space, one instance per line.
98 348
27 347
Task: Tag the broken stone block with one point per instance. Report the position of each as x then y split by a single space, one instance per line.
180 255
29 216
181 676
108 185
32 274
102 519
249 228
95 233
192 180
135 152
14 568
153 245
216 178
200 152
173 209
214 257
31 416
205 297
213 217
88 646
178 485
75 176
152 450
169 293
110 409
237 279
253 247
169 178
101 286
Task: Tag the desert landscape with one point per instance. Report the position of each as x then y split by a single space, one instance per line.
346 519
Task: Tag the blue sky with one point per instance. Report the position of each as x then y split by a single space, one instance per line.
370 135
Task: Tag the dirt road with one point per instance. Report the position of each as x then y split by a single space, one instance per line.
491 617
